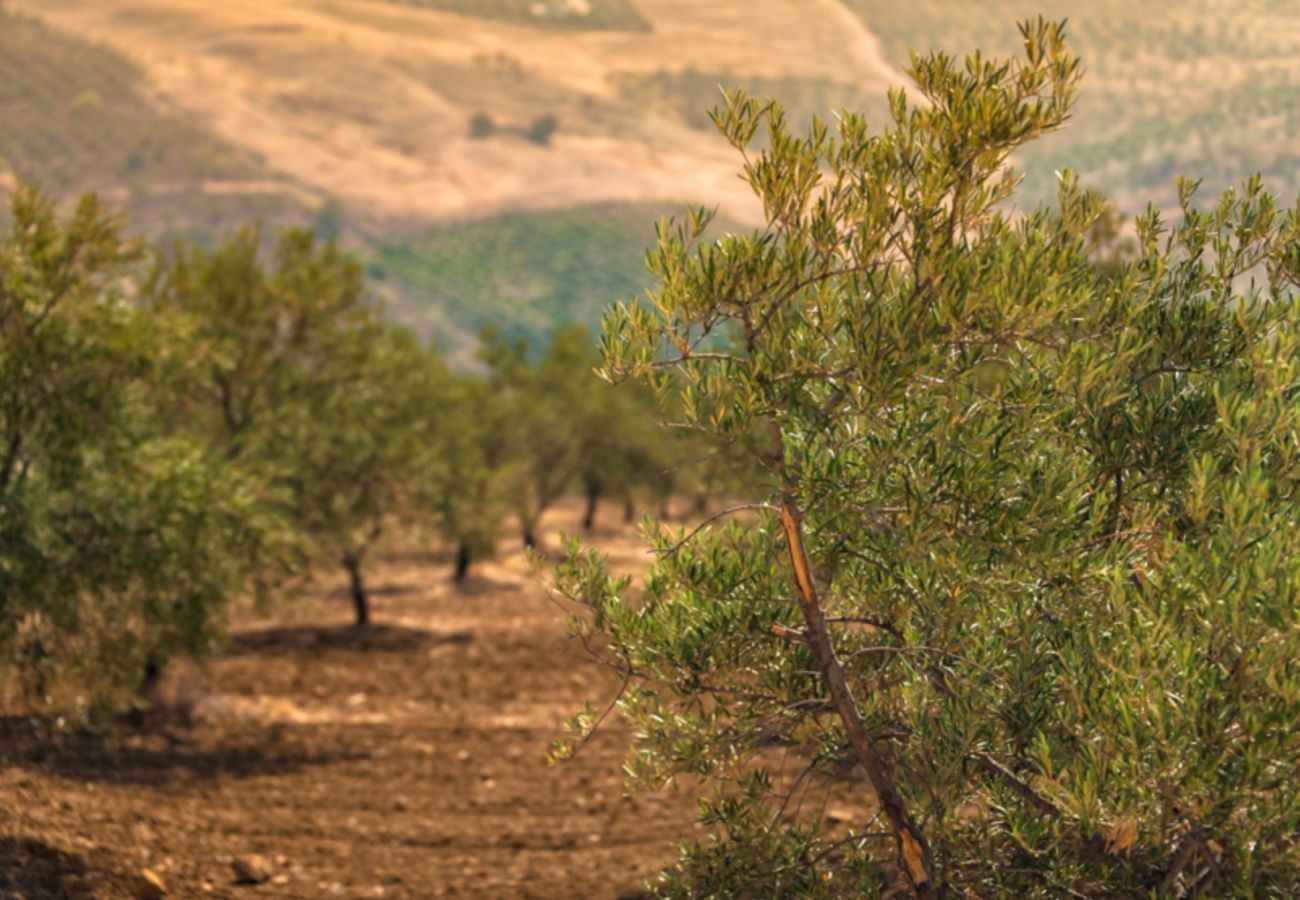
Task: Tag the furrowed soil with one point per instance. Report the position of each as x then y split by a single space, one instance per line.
405 761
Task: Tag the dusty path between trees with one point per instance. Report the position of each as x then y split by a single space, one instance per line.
408 763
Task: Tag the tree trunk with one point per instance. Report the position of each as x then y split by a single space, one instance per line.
589 516
360 599
629 510
913 849
462 562
530 538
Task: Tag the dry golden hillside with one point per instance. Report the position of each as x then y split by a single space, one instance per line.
370 101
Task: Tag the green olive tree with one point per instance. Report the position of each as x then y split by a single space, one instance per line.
1021 575
121 540
298 377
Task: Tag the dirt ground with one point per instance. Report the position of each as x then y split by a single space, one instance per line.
408 762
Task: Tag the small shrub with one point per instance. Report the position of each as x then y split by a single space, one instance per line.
481 126
543 129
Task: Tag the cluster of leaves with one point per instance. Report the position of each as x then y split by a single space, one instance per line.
1022 570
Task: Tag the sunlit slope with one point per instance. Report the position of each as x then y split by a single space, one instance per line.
1208 89
372 100
76 117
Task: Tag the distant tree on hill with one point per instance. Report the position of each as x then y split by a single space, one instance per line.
542 129
481 126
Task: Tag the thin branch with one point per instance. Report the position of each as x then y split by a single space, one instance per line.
600 720
710 520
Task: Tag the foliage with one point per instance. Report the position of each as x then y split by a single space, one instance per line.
476 470
301 380
1024 553
121 542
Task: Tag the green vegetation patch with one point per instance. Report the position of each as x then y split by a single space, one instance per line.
576 15
1210 91
523 273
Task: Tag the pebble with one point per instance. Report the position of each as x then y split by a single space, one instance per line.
251 869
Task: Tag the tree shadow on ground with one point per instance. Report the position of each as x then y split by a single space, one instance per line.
34 869
382 590
157 758
477 585
294 639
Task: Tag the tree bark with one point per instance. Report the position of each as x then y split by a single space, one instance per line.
913 849
593 500
462 562
629 510
360 598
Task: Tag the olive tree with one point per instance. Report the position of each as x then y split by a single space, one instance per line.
299 379
1021 575
121 540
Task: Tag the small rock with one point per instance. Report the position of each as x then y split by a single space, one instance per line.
153 888
251 869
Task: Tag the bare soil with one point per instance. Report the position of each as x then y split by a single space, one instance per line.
404 761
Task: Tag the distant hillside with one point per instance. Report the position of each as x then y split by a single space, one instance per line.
503 161
429 109
522 272
1207 88
76 116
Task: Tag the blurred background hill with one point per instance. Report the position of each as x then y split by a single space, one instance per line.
503 161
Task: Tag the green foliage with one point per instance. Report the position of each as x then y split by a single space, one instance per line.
1024 553
476 470
121 541
297 376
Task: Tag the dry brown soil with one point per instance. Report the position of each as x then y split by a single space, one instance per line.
406 762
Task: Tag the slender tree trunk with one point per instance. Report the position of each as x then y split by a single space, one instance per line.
360 598
462 562
593 499
530 537
913 849
629 510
